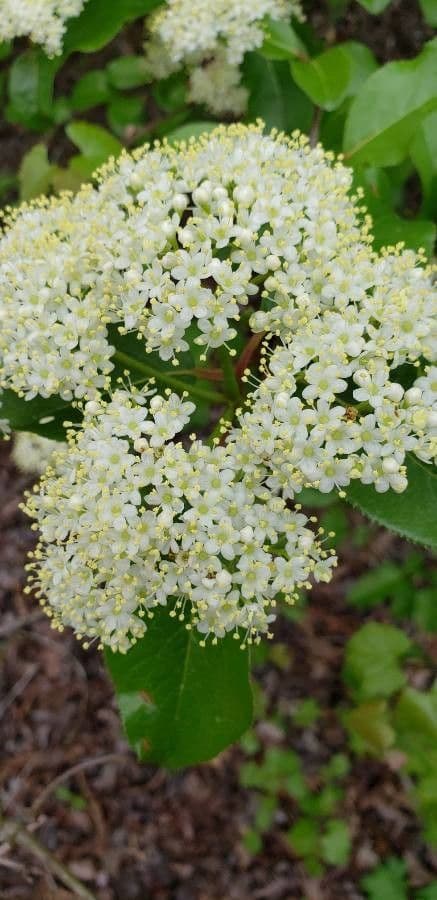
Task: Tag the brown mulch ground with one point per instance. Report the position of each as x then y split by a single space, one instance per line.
144 833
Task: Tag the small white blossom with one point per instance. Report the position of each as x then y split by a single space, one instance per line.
44 21
211 39
127 525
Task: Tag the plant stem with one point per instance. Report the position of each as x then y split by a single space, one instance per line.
193 389
229 377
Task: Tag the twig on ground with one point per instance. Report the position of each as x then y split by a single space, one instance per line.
15 833
79 767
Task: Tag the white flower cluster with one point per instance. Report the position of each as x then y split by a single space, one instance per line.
32 453
331 407
211 39
173 240
130 520
42 20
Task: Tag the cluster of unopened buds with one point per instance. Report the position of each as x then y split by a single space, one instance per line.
210 40
173 261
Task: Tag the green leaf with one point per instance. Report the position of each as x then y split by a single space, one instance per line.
412 513
265 813
101 20
387 881
274 96
93 141
5 49
388 109
181 703
326 78
423 152
282 41
307 713
304 837
91 90
252 841
336 843
124 111
389 229
415 720
128 72
370 728
41 416
375 586
190 130
30 89
429 12
372 661
374 6
35 173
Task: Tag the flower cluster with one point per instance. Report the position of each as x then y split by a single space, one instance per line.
342 397
42 20
32 453
130 520
170 241
211 39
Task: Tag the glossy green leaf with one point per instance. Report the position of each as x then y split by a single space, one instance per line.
282 42
390 229
372 661
93 141
128 72
101 20
30 89
412 513
41 416
429 11
423 152
325 78
91 90
274 96
181 703
388 109
35 173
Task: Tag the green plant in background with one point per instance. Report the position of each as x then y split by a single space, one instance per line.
389 881
389 714
408 587
318 835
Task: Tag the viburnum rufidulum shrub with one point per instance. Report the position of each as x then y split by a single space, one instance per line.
211 40
44 21
226 285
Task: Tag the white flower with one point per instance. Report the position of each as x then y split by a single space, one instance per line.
44 21
173 239
212 40
128 524
32 453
